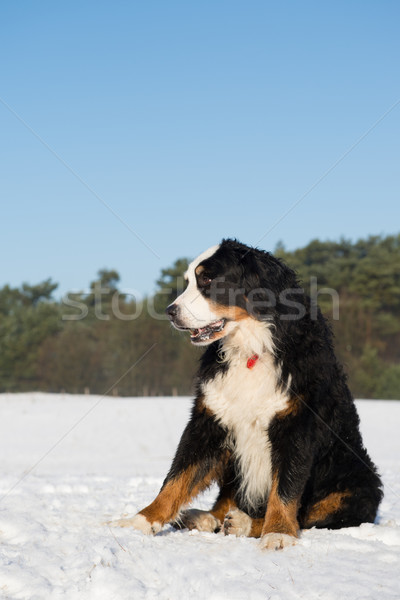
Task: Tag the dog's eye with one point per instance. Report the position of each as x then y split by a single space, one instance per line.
204 279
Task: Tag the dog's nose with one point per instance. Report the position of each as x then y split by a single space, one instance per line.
171 311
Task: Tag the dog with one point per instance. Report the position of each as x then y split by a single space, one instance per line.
273 422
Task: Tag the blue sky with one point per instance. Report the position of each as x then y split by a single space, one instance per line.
133 133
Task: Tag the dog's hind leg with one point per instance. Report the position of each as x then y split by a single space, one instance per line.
193 518
211 520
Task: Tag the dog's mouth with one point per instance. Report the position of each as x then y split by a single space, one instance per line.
207 333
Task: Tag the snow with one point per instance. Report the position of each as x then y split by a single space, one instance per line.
71 463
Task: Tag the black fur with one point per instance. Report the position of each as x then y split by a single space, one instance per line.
317 448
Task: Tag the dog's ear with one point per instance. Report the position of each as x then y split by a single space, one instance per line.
257 297
264 279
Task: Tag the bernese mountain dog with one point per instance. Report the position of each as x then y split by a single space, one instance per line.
273 422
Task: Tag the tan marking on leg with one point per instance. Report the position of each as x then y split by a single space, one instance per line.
325 507
256 528
176 493
211 520
280 517
222 506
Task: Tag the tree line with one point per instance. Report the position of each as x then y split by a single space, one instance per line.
106 342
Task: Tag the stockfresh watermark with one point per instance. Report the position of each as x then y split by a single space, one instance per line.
290 304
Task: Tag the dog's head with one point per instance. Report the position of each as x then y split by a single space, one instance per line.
225 285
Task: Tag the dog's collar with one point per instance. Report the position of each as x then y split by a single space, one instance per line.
252 361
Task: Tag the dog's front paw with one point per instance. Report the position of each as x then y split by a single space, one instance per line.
140 523
237 523
194 518
277 541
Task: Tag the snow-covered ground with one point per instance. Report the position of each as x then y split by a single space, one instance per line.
70 463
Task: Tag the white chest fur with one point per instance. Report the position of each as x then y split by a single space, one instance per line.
245 401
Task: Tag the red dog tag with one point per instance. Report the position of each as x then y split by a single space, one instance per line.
252 361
